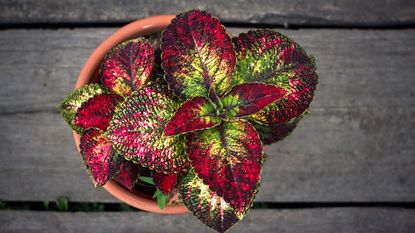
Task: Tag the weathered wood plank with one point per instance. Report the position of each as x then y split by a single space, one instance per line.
315 13
363 68
357 145
39 161
46 62
368 220
362 154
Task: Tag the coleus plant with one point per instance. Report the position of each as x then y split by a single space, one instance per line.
195 111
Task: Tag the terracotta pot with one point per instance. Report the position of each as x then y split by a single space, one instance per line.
89 74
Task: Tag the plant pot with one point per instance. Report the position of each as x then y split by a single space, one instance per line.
89 74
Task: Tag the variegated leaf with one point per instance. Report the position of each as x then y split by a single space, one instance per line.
104 163
97 111
70 105
268 56
249 98
165 182
228 158
195 114
207 205
127 66
137 130
198 55
96 153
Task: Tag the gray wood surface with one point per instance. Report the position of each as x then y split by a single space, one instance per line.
332 156
315 13
356 145
357 68
363 220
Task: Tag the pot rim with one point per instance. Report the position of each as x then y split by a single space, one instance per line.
89 74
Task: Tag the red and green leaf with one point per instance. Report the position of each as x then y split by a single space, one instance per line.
97 112
70 105
137 130
104 163
249 98
96 153
198 55
207 205
127 66
228 159
165 182
195 114
270 57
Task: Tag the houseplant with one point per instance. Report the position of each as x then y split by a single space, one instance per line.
194 111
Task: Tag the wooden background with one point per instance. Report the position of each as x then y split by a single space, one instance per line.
348 167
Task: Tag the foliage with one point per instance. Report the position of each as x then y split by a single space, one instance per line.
199 123
62 204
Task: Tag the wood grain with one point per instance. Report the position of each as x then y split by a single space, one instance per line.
363 220
334 155
356 145
285 12
357 68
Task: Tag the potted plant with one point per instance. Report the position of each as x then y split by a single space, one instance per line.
188 114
